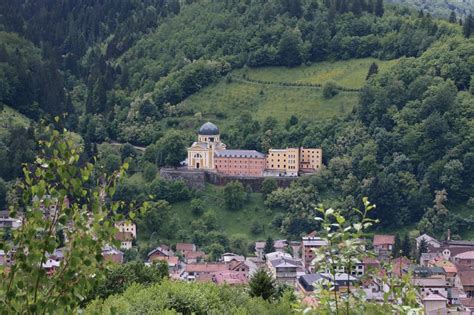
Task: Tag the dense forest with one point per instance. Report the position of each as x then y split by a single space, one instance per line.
121 70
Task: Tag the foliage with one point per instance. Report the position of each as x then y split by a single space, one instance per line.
234 195
170 150
83 214
268 186
186 298
197 206
119 278
269 246
345 248
330 89
262 285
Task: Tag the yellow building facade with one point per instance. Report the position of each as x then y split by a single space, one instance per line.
202 152
290 161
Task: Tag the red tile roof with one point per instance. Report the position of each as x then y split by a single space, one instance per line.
185 247
172 260
384 239
193 255
214 267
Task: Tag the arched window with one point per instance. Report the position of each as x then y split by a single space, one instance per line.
197 156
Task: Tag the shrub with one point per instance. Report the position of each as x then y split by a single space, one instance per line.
330 89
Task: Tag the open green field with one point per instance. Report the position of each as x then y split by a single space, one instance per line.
231 222
347 73
227 99
10 118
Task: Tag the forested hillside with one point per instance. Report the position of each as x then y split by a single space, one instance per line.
147 72
440 8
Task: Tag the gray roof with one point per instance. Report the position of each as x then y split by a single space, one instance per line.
240 154
209 129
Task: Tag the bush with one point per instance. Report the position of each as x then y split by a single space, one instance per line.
330 89
256 228
197 206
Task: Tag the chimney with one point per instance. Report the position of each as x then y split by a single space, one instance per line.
449 235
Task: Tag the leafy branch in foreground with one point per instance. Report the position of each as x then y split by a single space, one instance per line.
346 247
61 201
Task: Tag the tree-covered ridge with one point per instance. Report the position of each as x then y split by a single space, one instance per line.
443 8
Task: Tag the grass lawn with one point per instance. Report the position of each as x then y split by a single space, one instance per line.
347 73
232 222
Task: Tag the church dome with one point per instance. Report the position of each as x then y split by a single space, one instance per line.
208 129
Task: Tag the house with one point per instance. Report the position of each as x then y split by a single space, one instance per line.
50 266
309 244
435 304
400 266
241 266
172 261
429 240
465 259
383 245
259 246
284 270
112 254
127 227
277 255
340 281
468 304
280 245
194 257
185 247
228 257
125 238
159 253
229 277
194 271
430 280
465 281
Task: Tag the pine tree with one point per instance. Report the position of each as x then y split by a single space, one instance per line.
468 25
262 285
379 9
422 248
374 69
406 246
356 7
269 246
370 6
397 246
452 17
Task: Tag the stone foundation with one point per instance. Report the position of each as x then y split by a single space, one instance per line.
197 179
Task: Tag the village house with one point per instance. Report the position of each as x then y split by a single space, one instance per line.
340 281
465 281
50 266
383 245
185 247
465 259
125 226
229 277
309 244
429 240
125 239
6 222
194 271
171 261
435 304
112 254
159 253
228 257
194 257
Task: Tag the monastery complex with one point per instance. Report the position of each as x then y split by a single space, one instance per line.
210 153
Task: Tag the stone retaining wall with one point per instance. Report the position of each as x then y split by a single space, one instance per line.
197 179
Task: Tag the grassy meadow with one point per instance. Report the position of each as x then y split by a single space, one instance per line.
347 73
227 99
